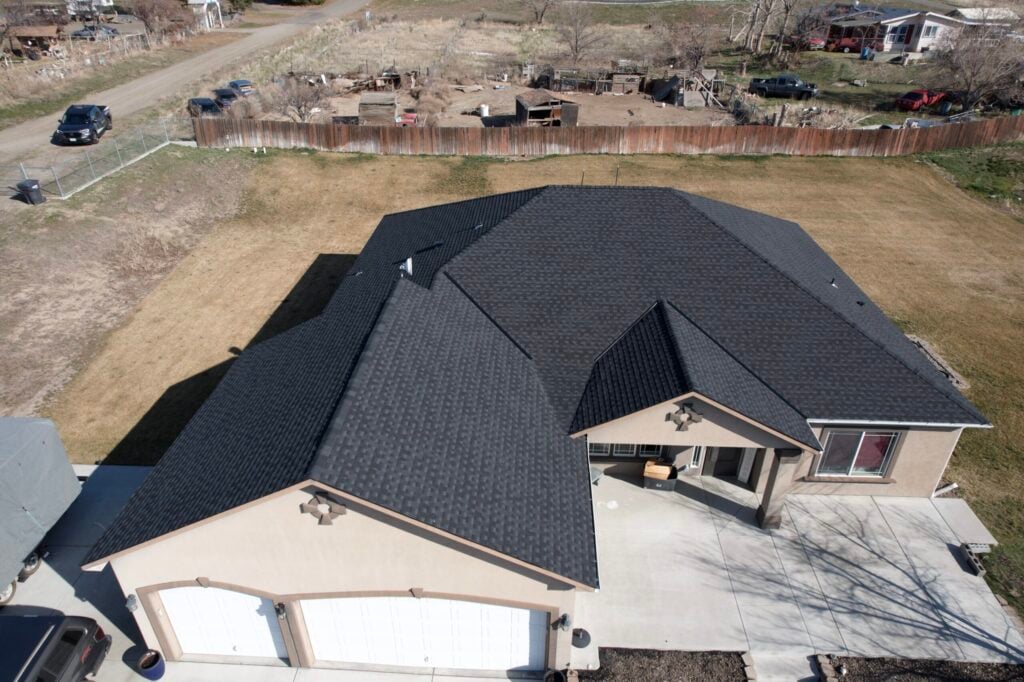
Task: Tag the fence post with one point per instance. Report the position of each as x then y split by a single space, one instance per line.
91 169
120 161
167 136
24 173
142 136
56 179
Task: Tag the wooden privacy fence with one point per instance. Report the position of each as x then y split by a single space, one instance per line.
228 132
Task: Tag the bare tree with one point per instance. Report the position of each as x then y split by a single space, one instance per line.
981 61
160 15
692 40
538 8
296 99
577 28
767 14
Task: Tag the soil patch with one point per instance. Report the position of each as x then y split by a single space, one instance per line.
903 670
646 665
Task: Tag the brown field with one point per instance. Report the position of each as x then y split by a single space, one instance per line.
944 264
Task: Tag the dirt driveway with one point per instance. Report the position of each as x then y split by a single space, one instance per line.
29 141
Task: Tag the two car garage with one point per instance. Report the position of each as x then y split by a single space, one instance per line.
401 631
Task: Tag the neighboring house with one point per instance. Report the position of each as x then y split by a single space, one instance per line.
891 30
405 480
89 9
905 30
207 13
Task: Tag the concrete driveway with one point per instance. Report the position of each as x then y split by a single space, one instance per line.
862 576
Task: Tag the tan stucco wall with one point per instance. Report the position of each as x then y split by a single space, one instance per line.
272 547
717 428
920 460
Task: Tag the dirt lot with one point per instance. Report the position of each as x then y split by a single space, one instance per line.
595 110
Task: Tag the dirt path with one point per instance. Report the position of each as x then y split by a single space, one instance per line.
30 140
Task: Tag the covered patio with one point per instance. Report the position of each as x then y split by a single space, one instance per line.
690 569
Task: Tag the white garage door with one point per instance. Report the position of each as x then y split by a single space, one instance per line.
215 622
435 633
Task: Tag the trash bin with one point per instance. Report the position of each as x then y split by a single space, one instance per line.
31 191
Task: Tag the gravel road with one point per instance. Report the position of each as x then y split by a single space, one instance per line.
30 141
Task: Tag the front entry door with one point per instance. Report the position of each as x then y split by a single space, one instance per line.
727 464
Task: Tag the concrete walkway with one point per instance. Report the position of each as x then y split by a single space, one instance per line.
867 576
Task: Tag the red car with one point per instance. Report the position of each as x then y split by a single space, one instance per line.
915 100
851 44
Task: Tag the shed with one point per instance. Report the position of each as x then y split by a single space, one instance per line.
378 109
38 38
626 83
541 108
37 485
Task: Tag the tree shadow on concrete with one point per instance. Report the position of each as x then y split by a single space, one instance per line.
147 441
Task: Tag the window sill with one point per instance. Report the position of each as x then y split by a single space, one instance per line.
848 479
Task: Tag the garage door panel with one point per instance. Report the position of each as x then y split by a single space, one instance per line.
439 633
216 622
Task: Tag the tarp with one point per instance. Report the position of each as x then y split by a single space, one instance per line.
37 485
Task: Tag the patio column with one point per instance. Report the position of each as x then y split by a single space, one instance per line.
780 478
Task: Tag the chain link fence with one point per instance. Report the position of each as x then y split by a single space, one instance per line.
111 154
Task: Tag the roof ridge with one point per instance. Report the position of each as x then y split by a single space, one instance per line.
615 341
732 357
539 189
336 403
844 318
487 315
681 369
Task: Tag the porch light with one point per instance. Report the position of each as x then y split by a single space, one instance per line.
564 622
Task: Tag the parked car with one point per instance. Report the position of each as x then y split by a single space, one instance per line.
51 648
915 100
225 97
39 486
804 42
783 86
242 87
83 124
852 44
99 32
203 106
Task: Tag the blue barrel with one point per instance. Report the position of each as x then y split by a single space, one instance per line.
151 665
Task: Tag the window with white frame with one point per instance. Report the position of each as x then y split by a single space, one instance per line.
645 451
851 452
931 31
898 34
696 456
648 451
623 450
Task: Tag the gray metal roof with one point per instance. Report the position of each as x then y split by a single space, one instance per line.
512 302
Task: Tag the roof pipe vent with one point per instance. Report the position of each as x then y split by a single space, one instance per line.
406 267
833 283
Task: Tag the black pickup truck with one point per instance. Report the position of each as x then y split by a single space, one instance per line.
783 86
83 124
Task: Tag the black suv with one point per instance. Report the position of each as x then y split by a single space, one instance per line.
83 124
50 648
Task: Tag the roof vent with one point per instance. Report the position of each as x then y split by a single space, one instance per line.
406 267
833 283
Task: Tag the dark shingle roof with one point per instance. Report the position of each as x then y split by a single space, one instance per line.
541 282
445 420
664 355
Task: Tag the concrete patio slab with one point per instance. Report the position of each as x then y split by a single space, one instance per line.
664 584
964 602
962 520
845 574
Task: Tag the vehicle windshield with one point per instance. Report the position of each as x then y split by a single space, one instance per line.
912 95
75 119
